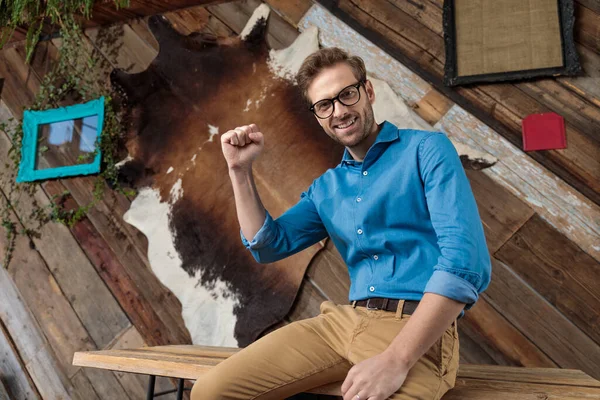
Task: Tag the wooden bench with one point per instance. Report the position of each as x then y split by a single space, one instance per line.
481 382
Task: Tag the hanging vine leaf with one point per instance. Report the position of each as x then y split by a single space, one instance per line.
33 13
71 78
32 38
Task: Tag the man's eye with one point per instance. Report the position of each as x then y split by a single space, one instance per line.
348 94
323 106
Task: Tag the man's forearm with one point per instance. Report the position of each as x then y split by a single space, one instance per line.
250 210
432 317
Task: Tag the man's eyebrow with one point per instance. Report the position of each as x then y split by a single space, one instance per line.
335 94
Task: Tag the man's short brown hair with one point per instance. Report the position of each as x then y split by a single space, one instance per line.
325 58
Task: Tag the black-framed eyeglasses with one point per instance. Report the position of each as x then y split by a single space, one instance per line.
348 96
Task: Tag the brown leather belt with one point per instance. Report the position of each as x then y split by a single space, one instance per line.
378 303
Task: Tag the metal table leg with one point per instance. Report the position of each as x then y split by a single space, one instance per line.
151 382
180 390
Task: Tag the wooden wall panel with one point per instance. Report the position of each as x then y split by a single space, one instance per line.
3 391
111 270
105 12
472 352
122 47
421 49
512 324
329 273
54 312
13 94
539 321
558 270
502 213
87 294
290 10
83 386
307 302
37 356
433 106
586 27
14 379
500 339
280 34
121 238
43 296
587 84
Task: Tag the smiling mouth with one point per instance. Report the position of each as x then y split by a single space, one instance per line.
346 124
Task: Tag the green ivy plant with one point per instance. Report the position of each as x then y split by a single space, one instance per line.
74 78
35 14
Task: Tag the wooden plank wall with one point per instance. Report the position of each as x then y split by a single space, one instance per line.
105 12
541 309
414 30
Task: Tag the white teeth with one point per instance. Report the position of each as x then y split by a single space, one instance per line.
347 125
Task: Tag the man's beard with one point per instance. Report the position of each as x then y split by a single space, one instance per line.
367 120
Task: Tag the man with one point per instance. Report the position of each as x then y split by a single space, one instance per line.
400 211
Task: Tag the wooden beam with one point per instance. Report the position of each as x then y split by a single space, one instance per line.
558 376
105 12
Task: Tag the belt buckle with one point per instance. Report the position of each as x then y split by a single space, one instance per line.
369 306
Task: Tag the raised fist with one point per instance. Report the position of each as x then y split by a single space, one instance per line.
241 146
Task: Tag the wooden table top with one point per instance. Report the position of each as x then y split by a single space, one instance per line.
473 382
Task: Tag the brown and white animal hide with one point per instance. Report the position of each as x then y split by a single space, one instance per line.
198 87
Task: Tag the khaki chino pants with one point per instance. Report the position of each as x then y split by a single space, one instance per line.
320 350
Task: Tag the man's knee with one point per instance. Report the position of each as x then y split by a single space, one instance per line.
209 388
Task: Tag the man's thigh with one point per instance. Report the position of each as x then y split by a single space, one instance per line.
430 377
287 361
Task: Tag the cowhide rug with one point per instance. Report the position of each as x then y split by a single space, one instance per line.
198 87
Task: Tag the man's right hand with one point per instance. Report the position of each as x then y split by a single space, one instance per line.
241 146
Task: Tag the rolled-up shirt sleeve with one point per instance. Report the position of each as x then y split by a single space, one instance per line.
463 269
295 230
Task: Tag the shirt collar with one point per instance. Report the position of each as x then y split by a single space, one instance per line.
388 133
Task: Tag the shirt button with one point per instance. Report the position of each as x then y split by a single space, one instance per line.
365 173
360 231
358 200
375 258
372 288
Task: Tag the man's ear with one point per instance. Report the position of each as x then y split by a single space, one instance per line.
370 91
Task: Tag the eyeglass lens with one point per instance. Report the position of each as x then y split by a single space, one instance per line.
348 97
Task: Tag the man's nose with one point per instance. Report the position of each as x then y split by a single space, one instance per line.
339 109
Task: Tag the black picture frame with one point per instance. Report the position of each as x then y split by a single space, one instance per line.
571 65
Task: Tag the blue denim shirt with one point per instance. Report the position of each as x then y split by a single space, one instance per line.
404 220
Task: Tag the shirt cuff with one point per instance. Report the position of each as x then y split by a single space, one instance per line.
452 286
264 236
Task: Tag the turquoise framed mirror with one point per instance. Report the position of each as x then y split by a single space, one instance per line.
68 133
